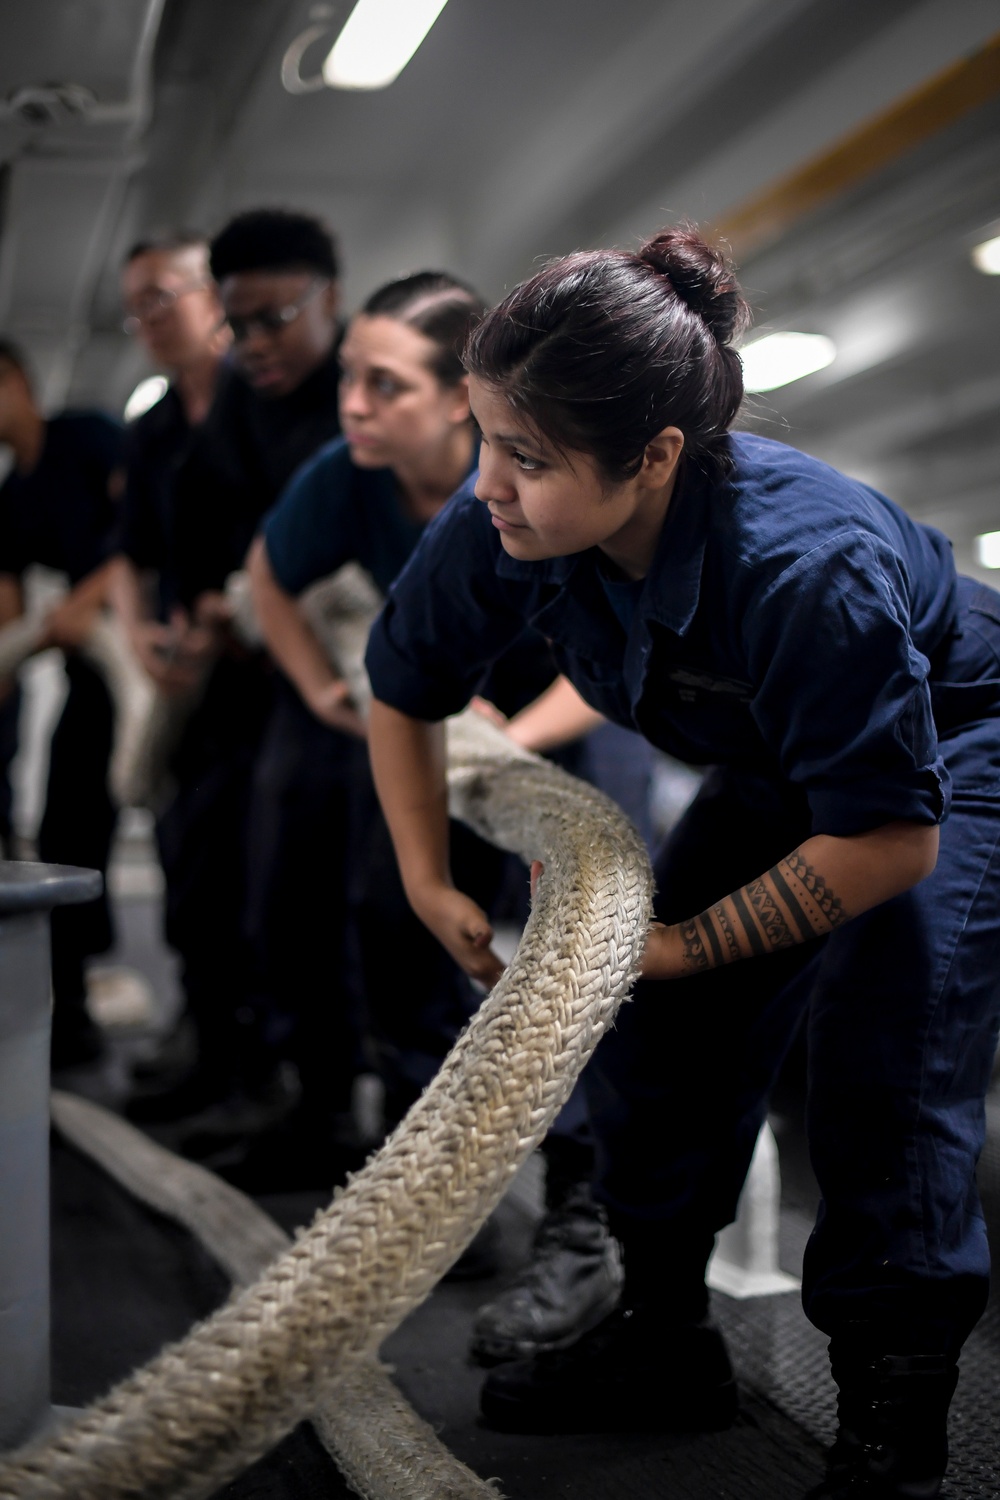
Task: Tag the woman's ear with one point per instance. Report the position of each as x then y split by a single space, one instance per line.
662 456
460 410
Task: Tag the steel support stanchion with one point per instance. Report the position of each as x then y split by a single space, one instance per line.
745 1262
28 892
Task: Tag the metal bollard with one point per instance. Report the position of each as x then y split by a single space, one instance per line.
28 892
745 1260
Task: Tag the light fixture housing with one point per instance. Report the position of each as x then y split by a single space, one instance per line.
988 549
779 358
378 41
145 395
986 257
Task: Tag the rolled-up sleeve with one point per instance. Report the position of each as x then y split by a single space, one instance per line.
841 693
447 618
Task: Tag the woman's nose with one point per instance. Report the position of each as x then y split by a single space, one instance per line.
491 484
352 399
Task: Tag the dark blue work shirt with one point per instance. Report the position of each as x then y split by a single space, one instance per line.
236 465
61 515
784 630
334 512
157 445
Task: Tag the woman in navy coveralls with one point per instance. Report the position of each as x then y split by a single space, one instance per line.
366 498
752 610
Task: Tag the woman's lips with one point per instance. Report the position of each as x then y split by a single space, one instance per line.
502 524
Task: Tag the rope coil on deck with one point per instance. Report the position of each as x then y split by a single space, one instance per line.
382 1447
211 1404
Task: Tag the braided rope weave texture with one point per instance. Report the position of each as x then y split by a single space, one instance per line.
382 1447
211 1404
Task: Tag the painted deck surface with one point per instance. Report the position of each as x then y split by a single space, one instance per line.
126 1281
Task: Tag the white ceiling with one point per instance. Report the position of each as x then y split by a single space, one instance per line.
523 129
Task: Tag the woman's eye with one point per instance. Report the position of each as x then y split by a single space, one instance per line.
386 387
524 462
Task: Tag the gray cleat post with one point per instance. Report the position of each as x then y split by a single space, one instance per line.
28 892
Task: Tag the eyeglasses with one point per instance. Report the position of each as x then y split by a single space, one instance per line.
152 302
271 320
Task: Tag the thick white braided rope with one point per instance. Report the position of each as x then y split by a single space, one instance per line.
133 694
383 1449
148 723
20 639
211 1404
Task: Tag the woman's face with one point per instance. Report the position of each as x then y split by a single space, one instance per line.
545 503
393 409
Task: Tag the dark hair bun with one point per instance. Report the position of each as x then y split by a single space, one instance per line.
701 277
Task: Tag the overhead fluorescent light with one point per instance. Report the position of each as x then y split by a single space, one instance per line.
779 358
378 41
145 395
986 257
988 549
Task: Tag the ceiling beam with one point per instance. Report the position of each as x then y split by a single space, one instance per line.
923 112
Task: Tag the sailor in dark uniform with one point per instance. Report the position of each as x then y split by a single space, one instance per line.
274 404
57 509
752 610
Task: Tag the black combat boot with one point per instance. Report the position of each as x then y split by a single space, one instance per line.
572 1280
892 1439
634 1372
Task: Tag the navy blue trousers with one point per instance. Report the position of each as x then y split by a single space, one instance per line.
311 795
202 835
76 829
901 1008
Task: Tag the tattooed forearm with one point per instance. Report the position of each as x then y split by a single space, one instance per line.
694 955
823 900
724 921
790 904
763 899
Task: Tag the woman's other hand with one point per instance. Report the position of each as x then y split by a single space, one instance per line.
330 701
489 711
70 623
462 928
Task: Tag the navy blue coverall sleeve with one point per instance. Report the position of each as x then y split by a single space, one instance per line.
841 693
310 532
447 618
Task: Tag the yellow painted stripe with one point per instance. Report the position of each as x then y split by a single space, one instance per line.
931 107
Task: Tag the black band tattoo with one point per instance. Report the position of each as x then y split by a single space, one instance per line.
714 938
695 956
798 915
705 921
748 924
776 929
826 901
726 928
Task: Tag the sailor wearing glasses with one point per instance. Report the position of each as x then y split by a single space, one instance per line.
274 404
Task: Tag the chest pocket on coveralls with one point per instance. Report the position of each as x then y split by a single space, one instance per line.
711 713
